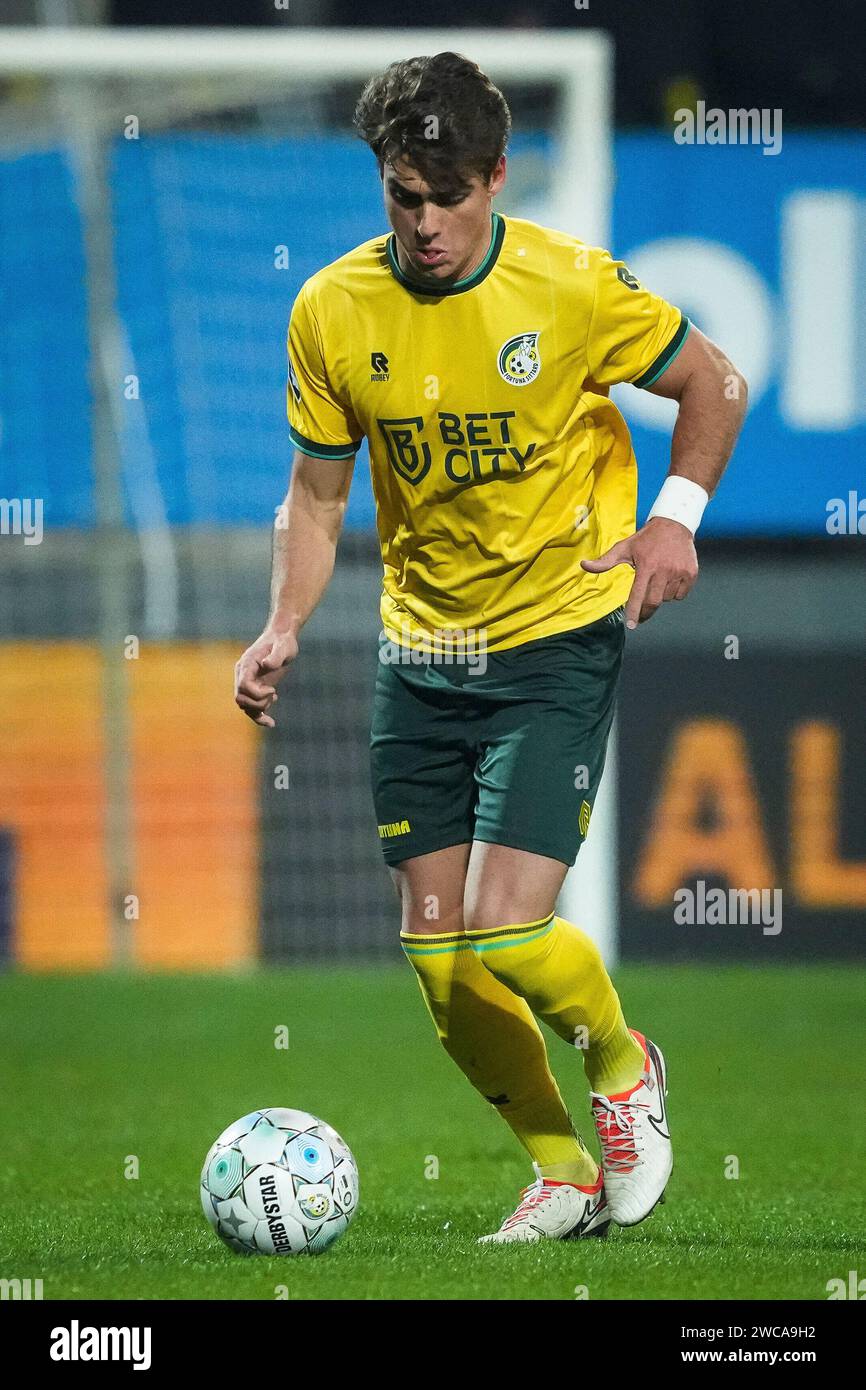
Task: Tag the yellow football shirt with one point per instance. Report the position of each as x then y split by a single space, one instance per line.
498 460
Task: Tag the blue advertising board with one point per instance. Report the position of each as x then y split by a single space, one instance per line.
767 254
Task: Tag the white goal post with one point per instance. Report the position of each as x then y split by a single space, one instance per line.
577 63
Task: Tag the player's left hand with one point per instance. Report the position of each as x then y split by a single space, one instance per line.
662 555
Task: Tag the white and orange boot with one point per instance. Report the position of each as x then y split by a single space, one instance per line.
551 1210
636 1151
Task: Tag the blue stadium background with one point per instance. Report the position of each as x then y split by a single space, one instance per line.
198 219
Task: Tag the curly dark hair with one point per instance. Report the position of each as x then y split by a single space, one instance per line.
468 135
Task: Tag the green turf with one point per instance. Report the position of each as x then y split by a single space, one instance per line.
765 1065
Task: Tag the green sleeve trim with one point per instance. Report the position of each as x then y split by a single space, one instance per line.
322 451
666 356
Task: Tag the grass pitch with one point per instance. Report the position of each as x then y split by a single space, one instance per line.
765 1073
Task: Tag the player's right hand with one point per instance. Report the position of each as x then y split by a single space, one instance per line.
258 671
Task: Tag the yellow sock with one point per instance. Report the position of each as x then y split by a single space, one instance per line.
494 1039
559 971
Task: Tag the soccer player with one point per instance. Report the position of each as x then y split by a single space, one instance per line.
475 353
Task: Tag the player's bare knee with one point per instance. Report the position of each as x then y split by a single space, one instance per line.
488 914
423 918
486 917
397 881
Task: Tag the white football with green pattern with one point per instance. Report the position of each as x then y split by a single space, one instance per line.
279 1182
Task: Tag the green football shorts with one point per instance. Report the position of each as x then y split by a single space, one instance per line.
512 755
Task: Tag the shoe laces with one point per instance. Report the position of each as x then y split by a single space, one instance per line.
614 1122
532 1197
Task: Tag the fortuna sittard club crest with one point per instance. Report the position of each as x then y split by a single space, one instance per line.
519 360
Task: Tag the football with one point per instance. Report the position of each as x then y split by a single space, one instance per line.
279 1182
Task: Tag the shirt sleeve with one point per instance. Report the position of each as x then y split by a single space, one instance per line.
319 422
633 335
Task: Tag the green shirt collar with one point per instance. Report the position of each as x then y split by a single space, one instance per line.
497 236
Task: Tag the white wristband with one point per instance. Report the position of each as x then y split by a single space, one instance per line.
681 500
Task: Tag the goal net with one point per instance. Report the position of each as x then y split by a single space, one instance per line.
163 195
